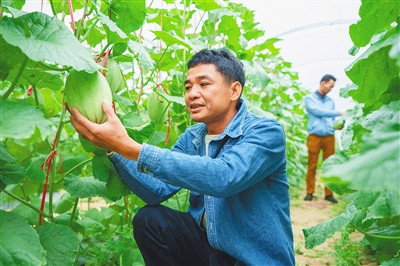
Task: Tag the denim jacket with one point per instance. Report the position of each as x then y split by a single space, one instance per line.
321 114
242 185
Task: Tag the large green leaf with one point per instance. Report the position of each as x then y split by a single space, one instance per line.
85 187
19 120
375 16
317 235
374 71
388 113
19 242
10 56
45 38
386 205
11 172
128 15
60 242
104 171
34 171
376 168
229 27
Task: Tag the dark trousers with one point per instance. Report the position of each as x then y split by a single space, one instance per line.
315 144
168 237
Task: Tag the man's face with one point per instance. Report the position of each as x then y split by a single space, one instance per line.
327 86
208 96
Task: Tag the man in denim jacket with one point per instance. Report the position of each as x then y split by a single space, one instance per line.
233 163
321 116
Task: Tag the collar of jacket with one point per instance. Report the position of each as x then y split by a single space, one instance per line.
233 130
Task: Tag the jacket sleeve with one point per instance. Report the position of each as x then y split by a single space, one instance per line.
149 189
258 154
312 107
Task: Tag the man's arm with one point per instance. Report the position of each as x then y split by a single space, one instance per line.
110 135
313 108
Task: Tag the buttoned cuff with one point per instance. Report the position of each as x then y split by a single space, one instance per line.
147 160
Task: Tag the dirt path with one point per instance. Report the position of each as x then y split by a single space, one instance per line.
305 214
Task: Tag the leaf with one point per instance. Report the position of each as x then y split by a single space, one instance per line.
115 33
34 171
128 17
11 172
256 74
386 205
65 203
388 113
18 4
19 242
229 27
170 40
11 57
12 113
206 5
372 77
45 38
101 167
145 60
377 168
317 235
60 243
375 17
85 187
176 99
90 147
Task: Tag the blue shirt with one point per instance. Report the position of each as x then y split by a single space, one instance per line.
243 190
321 114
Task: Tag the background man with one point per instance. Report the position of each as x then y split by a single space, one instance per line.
321 115
233 163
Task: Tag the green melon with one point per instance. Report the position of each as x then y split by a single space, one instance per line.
156 108
86 92
114 75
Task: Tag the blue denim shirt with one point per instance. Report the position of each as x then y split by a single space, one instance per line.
321 114
243 190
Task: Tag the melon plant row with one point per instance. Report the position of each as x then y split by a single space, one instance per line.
367 171
49 174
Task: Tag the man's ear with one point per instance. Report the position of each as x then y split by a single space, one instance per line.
236 90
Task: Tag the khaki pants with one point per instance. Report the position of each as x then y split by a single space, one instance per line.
315 144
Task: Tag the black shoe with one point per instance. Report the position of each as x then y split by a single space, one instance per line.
308 197
331 199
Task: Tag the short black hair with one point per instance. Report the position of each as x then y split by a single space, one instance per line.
327 78
226 63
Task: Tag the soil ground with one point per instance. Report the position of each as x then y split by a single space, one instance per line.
305 214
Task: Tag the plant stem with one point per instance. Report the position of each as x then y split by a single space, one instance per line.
89 30
73 212
17 77
104 49
72 169
36 95
26 203
54 67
